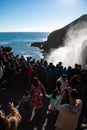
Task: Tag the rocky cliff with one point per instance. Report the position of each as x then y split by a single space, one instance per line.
74 35
56 38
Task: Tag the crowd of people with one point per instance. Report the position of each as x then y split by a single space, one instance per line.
55 94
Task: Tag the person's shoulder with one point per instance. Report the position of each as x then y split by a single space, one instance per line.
64 106
78 100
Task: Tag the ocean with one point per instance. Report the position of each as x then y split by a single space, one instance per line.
20 42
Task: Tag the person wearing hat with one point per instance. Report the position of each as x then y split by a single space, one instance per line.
68 113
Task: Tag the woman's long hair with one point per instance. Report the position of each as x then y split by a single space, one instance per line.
35 82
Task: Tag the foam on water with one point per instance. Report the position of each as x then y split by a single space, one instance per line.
2 43
21 42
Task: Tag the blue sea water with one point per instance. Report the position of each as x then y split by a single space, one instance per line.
20 42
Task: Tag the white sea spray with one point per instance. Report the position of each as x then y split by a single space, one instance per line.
74 49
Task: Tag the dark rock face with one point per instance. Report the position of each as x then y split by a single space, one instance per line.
57 37
38 44
55 40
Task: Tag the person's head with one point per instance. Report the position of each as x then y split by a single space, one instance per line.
4 124
73 95
35 82
55 93
50 64
1 63
26 93
60 63
65 94
64 77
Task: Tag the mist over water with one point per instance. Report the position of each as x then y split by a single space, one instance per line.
74 49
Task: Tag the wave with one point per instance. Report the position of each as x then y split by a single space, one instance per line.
4 43
21 43
44 39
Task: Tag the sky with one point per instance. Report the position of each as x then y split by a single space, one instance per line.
39 15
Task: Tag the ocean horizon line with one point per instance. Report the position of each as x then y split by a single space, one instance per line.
26 32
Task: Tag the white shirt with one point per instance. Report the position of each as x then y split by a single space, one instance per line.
68 115
64 84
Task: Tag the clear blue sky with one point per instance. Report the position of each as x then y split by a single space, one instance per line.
39 15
